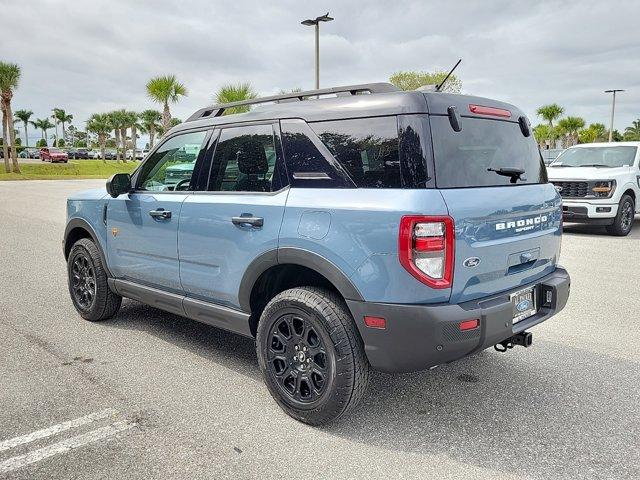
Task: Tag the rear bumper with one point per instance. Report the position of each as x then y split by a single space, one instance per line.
422 336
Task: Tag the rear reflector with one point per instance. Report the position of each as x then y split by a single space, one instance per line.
492 111
469 324
375 322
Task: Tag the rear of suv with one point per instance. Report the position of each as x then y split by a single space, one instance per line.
344 229
599 184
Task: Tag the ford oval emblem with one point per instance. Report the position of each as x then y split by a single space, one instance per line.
523 305
471 262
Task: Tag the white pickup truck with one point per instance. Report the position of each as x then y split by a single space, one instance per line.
599 184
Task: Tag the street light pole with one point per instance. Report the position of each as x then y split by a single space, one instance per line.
316 23
613 109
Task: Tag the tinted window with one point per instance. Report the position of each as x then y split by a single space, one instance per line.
244 160
171 165
307 164
463 159
367 148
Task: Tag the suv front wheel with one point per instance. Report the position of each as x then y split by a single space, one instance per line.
88 287
311 355
623 221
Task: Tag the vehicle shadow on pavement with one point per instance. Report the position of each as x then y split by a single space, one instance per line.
581 228
214 344
536 413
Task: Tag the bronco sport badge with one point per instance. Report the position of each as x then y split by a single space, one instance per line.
523 224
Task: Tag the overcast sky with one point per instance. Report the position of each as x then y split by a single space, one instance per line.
97 55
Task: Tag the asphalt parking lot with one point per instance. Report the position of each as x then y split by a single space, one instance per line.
152 395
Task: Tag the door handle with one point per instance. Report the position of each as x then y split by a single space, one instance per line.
248 220
160 213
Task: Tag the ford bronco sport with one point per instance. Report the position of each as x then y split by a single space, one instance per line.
344 229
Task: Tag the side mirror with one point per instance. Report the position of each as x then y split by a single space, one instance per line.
118 184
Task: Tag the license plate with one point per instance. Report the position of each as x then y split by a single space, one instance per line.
523 304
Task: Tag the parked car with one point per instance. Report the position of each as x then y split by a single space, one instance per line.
29 153
393 230
53 154
139 154
599 184
78 153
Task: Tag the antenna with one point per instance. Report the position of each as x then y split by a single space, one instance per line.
438 87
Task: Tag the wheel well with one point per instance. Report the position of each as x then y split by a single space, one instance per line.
277 279
631 193
74 235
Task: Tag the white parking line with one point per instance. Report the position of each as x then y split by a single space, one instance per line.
61 427
64 446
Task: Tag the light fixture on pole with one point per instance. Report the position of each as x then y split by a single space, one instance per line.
613 109
316 22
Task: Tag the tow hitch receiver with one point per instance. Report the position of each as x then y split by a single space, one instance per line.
523 338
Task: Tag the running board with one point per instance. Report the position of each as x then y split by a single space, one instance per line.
198 310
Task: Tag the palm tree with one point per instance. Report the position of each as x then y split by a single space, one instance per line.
235 93
100 124
61 116
570 126
163 90
550 113
43 124
632 133
150 119
128 119
9 78
24 116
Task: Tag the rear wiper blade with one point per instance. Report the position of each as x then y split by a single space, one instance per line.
514 173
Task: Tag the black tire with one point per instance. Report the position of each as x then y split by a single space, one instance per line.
623 222
334 353
87 279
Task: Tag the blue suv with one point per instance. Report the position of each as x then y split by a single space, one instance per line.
344 229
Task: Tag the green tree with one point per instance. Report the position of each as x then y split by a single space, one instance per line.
164 90
550 113
235 93
149 120
413 80
43 124
100 124
118 120
595 132
569 128
24 116
9 79
543 133
62 117
632 133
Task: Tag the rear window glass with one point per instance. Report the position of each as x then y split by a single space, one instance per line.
464 159
367 148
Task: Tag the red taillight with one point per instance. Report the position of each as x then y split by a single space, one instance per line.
469 325
426 249
375 322
492 111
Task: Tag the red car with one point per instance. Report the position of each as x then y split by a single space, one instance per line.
52 155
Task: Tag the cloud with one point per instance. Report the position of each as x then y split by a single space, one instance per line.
97 55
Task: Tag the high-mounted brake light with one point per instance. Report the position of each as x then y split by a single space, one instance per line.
491 111
426 249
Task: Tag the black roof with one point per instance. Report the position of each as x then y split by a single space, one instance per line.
354 101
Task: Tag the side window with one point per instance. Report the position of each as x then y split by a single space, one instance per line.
308 166
171 165
244 160
367 148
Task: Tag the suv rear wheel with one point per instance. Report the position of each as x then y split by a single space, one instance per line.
623 221
88 286
311 355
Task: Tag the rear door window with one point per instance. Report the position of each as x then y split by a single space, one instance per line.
468 158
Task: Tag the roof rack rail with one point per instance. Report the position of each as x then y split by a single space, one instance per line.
218 110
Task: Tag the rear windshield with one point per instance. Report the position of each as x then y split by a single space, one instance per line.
468 158
596 157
